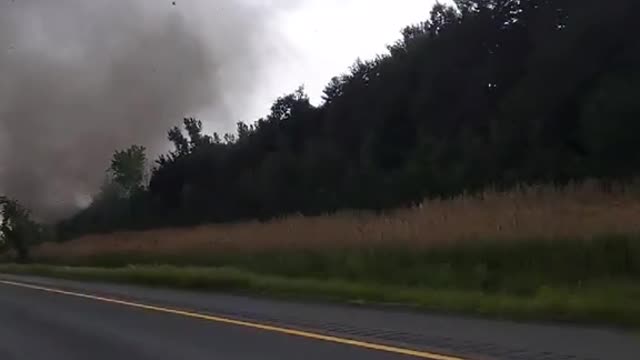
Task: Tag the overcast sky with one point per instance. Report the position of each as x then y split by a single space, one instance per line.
318 39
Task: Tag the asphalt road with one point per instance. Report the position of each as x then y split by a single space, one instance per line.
66 320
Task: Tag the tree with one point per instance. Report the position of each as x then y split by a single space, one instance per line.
128 169
17 229
334 89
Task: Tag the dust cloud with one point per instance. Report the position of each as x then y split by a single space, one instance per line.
79 79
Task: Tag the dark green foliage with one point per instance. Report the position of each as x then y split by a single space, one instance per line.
489 93
128 169
18 231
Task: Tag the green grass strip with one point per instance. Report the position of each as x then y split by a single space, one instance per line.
606 302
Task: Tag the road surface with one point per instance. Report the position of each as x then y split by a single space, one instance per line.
65 320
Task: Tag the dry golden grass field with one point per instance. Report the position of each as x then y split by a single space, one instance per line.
542 213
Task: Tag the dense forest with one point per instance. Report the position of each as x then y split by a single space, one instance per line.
483 93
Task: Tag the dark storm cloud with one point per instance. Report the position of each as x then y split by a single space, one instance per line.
80 78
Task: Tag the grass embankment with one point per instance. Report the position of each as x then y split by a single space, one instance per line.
611 301
550 255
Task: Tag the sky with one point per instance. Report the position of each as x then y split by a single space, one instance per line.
320 39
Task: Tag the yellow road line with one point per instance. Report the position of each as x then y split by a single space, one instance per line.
254 325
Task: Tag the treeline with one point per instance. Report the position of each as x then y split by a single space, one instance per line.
484 93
